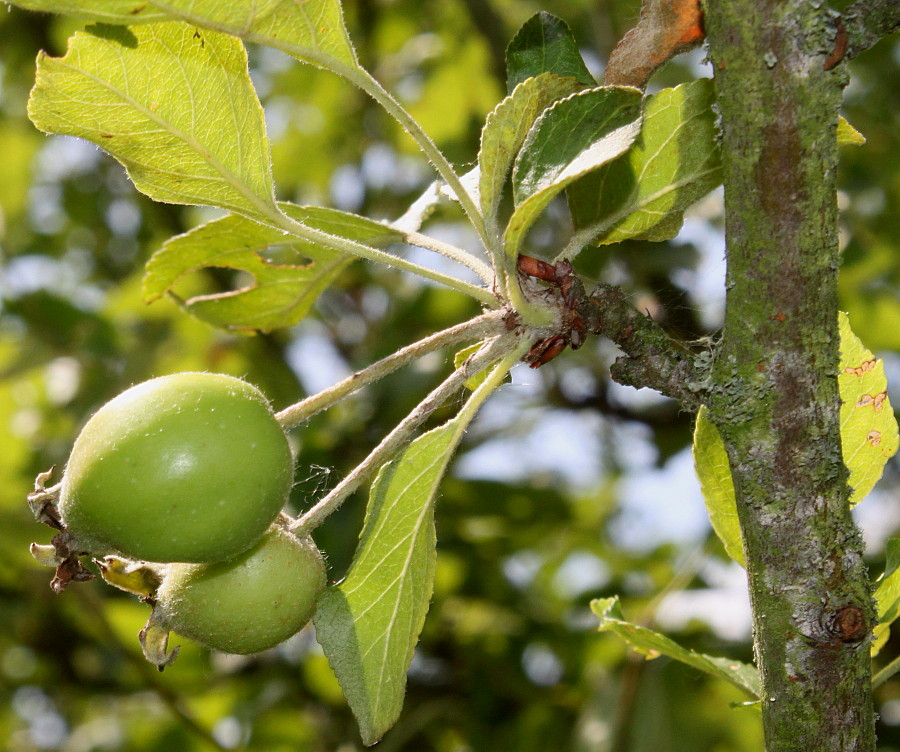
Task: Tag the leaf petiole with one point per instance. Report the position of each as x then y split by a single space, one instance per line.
508 347
486 325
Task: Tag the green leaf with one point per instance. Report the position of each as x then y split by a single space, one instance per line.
674 162
127 12
887 595
571 138
652 644
288 273
368 625
311 30
847 135
545 44
174 104
714 473
869 436
505 130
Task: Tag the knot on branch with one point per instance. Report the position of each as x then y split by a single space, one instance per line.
652 359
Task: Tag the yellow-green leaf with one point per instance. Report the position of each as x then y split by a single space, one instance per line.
287 273
711 464
887 595
847 135
869 436
173 103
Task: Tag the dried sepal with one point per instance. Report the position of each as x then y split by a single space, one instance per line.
136 577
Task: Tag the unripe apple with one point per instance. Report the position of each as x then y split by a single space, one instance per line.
248 604
190 467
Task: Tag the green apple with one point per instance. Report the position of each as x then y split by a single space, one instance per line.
191 467
248 604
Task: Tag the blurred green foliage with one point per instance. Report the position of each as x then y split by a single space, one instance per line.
510 657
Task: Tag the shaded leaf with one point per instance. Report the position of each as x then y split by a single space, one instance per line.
545 44
288 273
505 130
573 137
869 436
674 162
887 595
714 473
174 104
652 644
369 624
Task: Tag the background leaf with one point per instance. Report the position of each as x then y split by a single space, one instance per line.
369 624
288 273
711 464
174 104
652 644
869 436
674 162
847 135
505 130
545 44
573 137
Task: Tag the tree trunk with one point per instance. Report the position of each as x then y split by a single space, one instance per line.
774 386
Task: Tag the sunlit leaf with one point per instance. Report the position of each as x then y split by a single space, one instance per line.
573 137
505 130
847 135
711 464
311 30
869 436
652 644
545 44
369 624
104 11
887 595
288 274
174 104
674 162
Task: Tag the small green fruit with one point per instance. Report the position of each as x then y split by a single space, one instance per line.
191 467
248 604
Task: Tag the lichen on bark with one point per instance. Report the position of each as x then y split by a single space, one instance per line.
774 394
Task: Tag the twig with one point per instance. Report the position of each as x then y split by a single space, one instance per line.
488 324
403 432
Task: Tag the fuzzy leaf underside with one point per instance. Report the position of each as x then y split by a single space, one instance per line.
545 44
571 138
312 30
368 624
174 104
674 162
869 438
505 130
652 644
288 273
